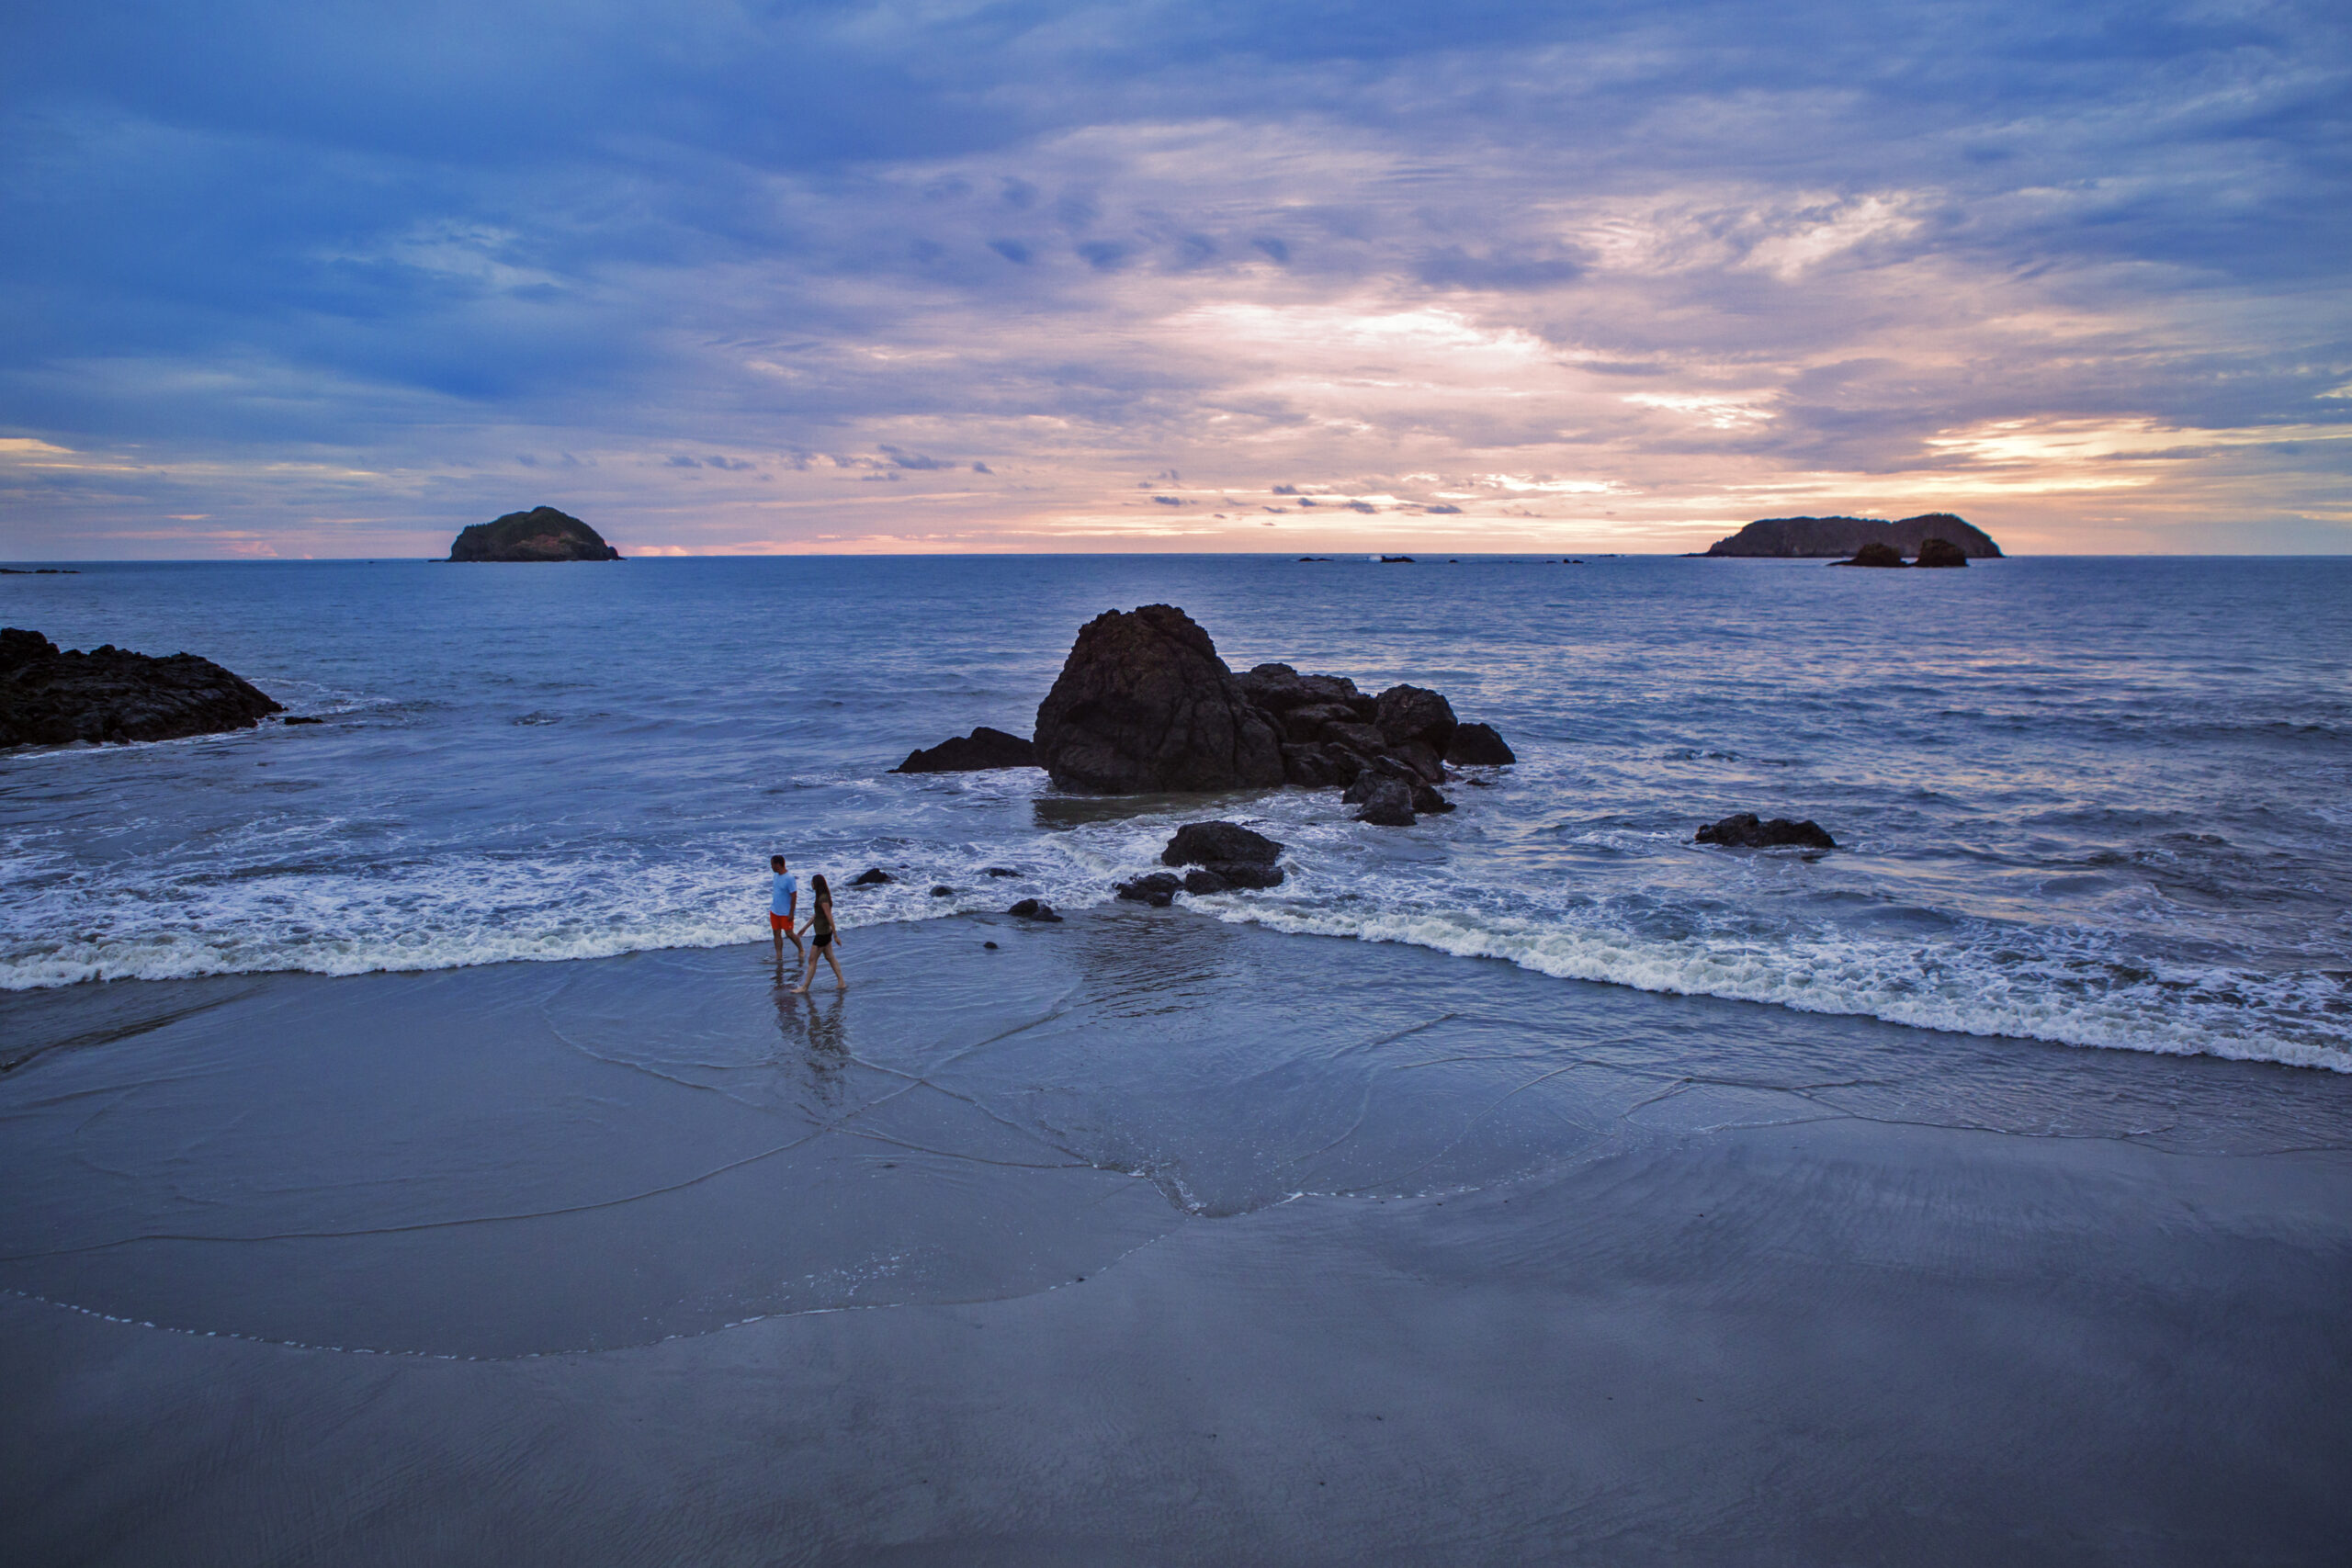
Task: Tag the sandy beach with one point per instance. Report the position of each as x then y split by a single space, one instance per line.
1121 1242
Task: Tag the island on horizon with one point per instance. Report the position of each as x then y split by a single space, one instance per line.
1802 537
540 533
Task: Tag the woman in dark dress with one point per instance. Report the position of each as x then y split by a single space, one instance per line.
823 937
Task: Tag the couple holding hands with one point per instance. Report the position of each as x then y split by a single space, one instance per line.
783 903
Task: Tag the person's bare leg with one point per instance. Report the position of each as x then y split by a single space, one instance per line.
808 972
836 964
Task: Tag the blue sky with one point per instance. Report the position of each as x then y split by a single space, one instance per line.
337 279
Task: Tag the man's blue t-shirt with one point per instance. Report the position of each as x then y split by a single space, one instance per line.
786 887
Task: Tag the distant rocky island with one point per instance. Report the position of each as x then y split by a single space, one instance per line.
1790 537
540 533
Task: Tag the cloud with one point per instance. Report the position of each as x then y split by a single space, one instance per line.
278 266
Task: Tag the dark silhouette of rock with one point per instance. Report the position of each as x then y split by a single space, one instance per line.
540 533
1406 714
1387 802
983 748
1000 871
1743 831
1477 745
1874 555
1419 759
1824 536
1429 802
1204 843
108 694
1157 888
303 718
1034 909
1314 766
1144 704
1201 879
872 877
1941 552
942 892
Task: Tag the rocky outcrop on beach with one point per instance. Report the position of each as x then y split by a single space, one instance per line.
1828 536
1743 830
541 534
1144 704
109 694
982 749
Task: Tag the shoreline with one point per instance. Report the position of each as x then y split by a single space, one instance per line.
1453 1259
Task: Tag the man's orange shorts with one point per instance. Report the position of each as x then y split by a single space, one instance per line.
779 922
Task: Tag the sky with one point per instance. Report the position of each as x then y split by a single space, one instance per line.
337 279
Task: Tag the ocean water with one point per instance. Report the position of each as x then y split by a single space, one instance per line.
2102 803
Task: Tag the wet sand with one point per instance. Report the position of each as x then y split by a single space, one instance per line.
1146 1238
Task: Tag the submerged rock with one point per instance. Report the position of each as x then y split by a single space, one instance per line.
1743 831
1144 704
983 748
872 877
1034 909
1941 552
542 533
109 694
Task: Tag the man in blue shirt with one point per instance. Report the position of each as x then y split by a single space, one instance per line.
784 898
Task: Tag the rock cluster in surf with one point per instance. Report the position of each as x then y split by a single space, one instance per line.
981 749
1743 830
48 698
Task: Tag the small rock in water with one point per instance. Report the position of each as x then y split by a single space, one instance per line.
1034 909
982 749
1002 871
304 718
942 892
1477 745
1156 889
989 945
872 877
1387 802
1743 831
1427 799
1200 843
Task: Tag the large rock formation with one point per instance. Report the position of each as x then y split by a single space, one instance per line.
1828 536
1875 554
540 533
1145 705
1941 552
981 749
110 693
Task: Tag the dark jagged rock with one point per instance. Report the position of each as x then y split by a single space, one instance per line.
1000 871
1407 714
1202 879
1204 843
1874 554
1144 704
1419 759
942 892
983 748
1428 801
540 533
302 718
1034 909
1824 536
1314 766
1477 745
1941 552
1157 888
872 877
1387 802
48 698
1743 831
